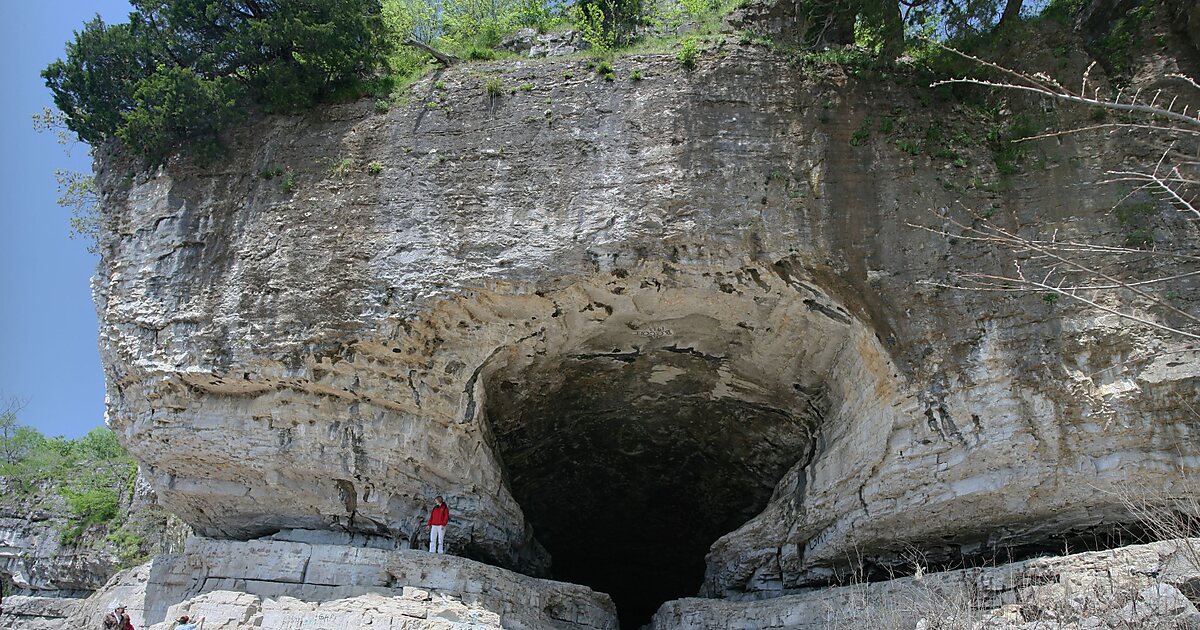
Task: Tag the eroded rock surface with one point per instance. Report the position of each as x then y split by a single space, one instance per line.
37 612
544 297
1140 586
38 562
283 585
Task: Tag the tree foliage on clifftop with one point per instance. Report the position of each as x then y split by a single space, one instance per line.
181 71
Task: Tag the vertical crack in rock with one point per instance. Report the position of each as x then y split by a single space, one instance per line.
347 494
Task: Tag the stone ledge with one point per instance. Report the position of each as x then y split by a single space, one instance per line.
280 584
28 612
1140 586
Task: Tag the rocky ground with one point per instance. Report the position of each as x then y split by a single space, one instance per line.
1134 587
333 587
283 584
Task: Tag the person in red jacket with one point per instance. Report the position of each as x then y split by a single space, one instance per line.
437 526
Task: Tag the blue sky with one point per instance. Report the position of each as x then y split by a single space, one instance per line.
47 319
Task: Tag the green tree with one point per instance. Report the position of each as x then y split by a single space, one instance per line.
77 192
93 87
175 106
16 441
418 20
482 22
618 18
287 54
182 70
890 25
101 443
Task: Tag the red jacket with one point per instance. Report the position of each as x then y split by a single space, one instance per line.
440 516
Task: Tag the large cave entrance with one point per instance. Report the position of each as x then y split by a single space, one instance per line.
630 462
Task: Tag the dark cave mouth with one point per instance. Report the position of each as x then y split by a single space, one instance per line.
629 466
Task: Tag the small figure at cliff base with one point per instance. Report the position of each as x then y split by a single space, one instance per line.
437 526
185 623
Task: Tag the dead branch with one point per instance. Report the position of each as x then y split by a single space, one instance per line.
445 59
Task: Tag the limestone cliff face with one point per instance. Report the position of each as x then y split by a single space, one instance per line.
614 322
35 561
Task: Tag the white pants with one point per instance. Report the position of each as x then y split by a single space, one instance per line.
436 535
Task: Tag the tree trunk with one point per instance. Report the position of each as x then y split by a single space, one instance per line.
893 30
443 58
1012 11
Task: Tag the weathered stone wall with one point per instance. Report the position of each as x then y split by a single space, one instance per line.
1140 586
35 562
320 355
283 585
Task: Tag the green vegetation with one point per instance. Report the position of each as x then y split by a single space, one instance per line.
78 193
1134 213
494 87
862 134
908 146
288 182
605 69
91 506
688 53
595 27
76 467
342 168
1003 136
181 71
375 168
1137 218
1114 49
636 75
89 481
270 172
1140 238
91 476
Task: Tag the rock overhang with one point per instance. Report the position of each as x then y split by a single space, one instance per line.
273 354
651 415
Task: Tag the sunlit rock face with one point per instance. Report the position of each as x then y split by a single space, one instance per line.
277 584
676 329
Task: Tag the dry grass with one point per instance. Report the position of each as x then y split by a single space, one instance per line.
1117 597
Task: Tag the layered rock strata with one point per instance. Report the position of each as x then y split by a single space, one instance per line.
1140 586
284 585
38 612
36 563
602 308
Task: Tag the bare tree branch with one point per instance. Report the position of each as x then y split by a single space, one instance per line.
1082 271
